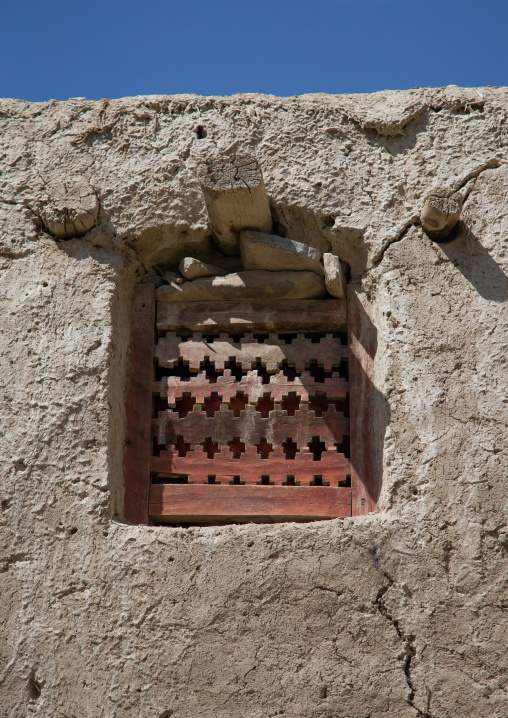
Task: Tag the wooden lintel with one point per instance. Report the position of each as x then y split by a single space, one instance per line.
214 317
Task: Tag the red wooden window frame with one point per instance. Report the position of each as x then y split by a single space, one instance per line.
191 503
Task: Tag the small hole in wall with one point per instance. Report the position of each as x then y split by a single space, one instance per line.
415 492
34 687
44 284
200 132
166 714
328 220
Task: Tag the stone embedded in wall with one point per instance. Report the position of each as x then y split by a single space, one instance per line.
440 213
335 279
257 285
267 251
235 198
70 210
192 268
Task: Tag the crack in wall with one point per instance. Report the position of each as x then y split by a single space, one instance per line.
407 640
414 220
491 164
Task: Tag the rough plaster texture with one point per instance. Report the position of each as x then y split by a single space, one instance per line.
398 614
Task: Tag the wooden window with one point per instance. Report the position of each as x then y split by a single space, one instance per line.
249 412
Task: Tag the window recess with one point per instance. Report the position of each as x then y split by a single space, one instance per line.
242 412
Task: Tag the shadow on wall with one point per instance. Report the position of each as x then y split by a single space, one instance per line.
466 252
370 411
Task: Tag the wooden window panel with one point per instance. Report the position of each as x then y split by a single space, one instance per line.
246 475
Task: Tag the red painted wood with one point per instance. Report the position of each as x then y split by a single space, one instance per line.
138 406
328 352
362 345
183 503
250 467
314 315
277 412
250 426
227 387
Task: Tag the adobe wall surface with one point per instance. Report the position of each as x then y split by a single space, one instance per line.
399 614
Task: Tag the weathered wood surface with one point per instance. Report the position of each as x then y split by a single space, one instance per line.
179 503
362 343
251 467
227 387
246 286
268 251
250 426
262 425
138 406
235 198
247 352
215 317
440 213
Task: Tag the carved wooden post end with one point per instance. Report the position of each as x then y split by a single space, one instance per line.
235 198
70 209
440 214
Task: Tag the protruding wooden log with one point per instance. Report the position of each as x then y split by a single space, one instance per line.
235 198
440 214
71 208
267 251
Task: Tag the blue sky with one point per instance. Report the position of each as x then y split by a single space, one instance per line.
57 50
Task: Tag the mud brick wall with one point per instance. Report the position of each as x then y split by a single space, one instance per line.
401 613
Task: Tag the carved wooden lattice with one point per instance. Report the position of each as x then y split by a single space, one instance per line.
250 413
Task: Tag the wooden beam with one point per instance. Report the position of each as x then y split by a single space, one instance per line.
199 503
251 384
298 352
138 407
440 214
362 347
250 467
304 315
235 198
250 426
